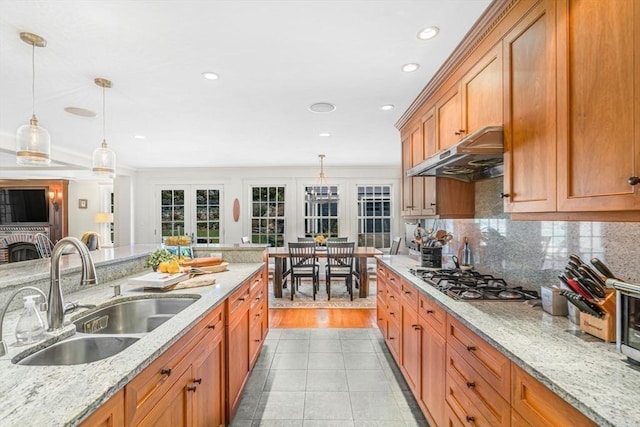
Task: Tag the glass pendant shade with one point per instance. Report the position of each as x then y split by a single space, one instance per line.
33 144
104 161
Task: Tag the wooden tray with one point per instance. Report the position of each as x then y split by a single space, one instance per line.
158 280
215 268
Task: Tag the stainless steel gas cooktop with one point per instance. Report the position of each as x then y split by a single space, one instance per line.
472 285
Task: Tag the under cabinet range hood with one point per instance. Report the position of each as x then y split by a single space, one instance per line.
476 157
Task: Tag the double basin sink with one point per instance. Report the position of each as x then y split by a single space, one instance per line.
108 330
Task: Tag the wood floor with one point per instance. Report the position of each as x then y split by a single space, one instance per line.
322 318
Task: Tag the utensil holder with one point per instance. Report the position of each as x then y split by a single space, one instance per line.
431 257
605 327
552 302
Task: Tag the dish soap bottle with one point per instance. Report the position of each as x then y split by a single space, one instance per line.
466 253
30 327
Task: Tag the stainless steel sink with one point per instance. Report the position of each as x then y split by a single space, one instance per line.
79 349
131 317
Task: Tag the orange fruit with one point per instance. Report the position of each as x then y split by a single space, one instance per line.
173 267
163 267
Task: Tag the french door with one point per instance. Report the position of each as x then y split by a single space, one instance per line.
192 210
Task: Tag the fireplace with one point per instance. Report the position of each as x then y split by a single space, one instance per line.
22 251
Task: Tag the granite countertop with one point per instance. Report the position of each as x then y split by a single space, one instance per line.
65 395
588 373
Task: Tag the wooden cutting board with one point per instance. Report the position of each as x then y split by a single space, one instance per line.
195 282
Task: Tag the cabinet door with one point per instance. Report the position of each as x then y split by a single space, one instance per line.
429 148
410 354
209 380
238 352
530 108
449 118
482 93
174 408
110 414
407 182
598 104
417 156
433 350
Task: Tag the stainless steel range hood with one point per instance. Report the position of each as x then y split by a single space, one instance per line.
476 157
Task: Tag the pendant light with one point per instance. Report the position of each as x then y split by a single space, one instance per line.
321 192
104 159
33 142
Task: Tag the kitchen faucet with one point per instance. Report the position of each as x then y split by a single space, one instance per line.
43 306
55 314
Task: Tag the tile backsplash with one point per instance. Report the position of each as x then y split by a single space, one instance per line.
533 253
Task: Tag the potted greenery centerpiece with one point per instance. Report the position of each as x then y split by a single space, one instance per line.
156 257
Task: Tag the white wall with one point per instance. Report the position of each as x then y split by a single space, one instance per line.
236 183
82 220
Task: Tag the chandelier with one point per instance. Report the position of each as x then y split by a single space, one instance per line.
33 142
321 192
104 159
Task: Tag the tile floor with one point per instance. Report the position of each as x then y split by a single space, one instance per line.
326 378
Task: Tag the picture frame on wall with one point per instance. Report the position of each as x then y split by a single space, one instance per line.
82 203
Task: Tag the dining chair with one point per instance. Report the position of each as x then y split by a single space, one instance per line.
304 264
395 246
340 265
43 245
245 240
337 239
306 240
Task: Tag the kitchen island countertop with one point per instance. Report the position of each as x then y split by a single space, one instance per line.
588 373
65 395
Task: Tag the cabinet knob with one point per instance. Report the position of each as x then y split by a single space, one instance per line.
432 204
429 311
191 388
504 195
416 327
633 180
166 371
459 132
471 348
392 338
211 326
470 419
471 384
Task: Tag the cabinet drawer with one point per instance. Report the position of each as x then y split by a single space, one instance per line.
393 283
393 308
256 299
492 365
539 406
238 302
255 283
409 295
486 400
460 409
434 315
381 270
381 287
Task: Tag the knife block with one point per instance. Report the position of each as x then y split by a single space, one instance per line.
605 327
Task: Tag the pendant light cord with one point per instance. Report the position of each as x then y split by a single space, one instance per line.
33 79
104 119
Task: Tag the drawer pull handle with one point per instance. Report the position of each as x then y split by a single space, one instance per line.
392 313
165 371
505 195
429 311
459 132
198 381
470 419
240 299
257 314
257 340
471 384
392 338
471 348
416 327
191 388
407 292
211 327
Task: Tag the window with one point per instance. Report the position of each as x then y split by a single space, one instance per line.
374 216
207 216
321 211
172 212
267 215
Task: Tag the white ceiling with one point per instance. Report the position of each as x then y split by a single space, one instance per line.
274 59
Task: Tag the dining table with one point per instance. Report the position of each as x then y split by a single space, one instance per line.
360 253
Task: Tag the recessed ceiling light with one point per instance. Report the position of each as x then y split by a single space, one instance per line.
325 134
83 112
409 68
387 107
210 75
322 107
428 33
139 137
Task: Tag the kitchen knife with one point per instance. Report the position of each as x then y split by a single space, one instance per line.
591 288
575 258
602 268
587 271
577 288
582 304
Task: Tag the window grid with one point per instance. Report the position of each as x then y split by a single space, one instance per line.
374 216
172 212
207 216
267 215
321 212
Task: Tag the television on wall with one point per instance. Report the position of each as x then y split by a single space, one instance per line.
24 206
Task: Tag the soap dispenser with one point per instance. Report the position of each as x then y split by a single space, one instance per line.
30 328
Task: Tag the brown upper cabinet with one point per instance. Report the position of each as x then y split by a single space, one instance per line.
598 104
560 76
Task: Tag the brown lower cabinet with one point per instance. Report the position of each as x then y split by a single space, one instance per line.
198 380
457 377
